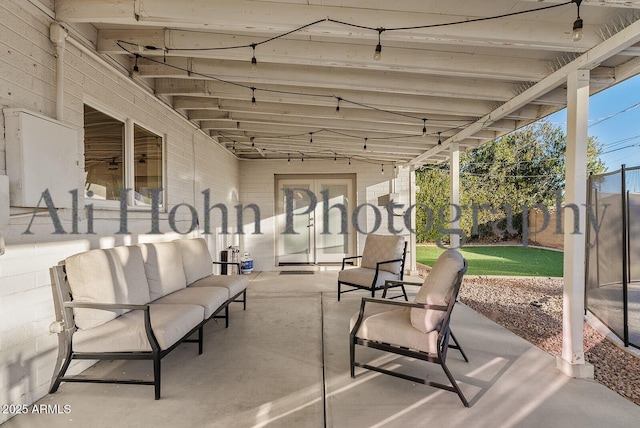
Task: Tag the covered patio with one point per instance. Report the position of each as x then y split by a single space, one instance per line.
224 120
284 362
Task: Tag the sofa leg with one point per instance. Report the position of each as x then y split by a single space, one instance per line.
226 316
156 375
200 340
339 291
244 300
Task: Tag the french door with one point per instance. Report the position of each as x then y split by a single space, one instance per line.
310 244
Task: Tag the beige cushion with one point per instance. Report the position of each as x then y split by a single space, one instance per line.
163 268
195 258
436 290
394 327
234 283
364 276
378 248
210 298
114 275
127 333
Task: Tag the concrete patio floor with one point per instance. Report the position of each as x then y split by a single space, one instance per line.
284 363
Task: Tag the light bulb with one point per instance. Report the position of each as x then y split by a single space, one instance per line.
424 127
254 64
378 53
577 30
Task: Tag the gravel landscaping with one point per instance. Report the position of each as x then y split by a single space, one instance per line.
532 309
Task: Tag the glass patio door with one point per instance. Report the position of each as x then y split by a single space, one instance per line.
309 245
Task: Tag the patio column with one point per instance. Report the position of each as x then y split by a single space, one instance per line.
455 194
572 361
413 268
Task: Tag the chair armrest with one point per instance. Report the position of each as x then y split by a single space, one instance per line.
349 258
386 262
404 304
366 300
106 306
396 282
236 264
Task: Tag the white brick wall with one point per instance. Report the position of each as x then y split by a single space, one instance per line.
27 80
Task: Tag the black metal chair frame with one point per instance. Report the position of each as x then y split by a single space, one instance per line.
372 287
444 335
63 305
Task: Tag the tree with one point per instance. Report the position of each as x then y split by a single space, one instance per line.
523 168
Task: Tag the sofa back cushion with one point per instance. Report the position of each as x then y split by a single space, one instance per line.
195 259
163 268
378 248
114 275
437 289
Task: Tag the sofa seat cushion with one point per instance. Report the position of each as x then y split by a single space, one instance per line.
196 259
379 248
210 298
364 276
127 333
163 268
436 290
234 283
114 275
394 327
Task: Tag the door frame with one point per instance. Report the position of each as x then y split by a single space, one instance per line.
315 181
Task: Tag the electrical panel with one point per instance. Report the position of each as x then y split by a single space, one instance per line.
41 153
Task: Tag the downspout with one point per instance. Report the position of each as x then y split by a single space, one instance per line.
58 37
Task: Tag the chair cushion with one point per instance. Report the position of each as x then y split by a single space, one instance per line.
364 277
210 298
394 327
378 248
127 334
436 290
196 259
114 275
234 283
163 267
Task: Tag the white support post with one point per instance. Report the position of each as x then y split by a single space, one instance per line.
413 190
572 361
455 193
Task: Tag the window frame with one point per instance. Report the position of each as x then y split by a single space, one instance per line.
128 162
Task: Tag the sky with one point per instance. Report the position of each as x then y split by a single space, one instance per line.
614 119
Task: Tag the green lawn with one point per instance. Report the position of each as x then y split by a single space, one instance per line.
501 260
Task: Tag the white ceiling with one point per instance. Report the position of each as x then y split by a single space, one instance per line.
472 82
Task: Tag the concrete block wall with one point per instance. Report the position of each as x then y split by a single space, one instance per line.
194 162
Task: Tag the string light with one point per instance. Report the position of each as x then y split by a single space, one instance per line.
253 142
382 170
136 70
289 157
365 144
424 127
378 52
335 157
349 161
439 140
310 137
253 96
577 34
254 61
338 106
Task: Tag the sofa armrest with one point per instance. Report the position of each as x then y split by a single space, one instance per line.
106 306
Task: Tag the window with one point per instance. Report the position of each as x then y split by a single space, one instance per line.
113 161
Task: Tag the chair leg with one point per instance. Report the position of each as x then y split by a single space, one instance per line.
244 300
226 317
339 288
200 340
352 356
156 375
454 384
405 293
456 345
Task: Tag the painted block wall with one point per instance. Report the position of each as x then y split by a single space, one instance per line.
194 162
257 184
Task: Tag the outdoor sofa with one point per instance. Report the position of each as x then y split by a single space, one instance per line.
137 302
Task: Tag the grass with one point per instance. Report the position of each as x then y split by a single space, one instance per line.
501 260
